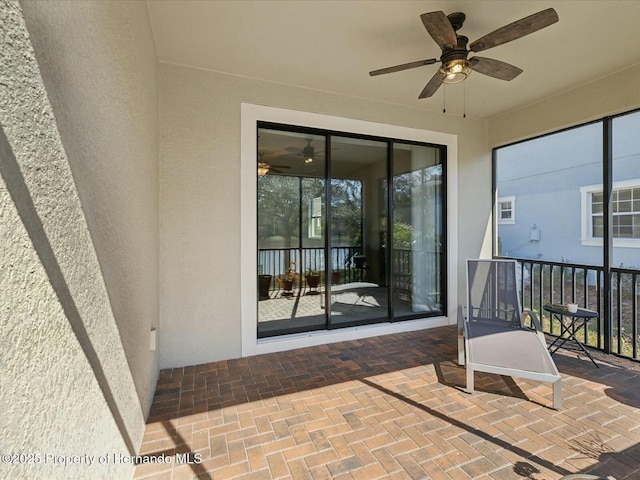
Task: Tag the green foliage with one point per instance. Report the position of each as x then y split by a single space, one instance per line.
285 202
402 235
346 211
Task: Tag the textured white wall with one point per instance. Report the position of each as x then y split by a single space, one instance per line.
79 229
200 197
99 65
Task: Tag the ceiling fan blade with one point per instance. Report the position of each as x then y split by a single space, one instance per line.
404 66
293 150
515 30
440 29
433 85
279 166
495 68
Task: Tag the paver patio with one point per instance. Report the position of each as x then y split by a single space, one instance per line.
391 407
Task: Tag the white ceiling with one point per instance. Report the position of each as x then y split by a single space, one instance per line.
331 45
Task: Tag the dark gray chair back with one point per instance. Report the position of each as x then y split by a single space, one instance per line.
492 292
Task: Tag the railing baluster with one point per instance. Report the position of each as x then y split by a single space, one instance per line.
634 313
531 285
585 296
599 303
551 290
540 289
619 311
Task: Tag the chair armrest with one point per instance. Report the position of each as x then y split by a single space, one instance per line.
534 319
461 345
535 323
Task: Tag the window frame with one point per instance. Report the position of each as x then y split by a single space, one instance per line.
586 214
508 221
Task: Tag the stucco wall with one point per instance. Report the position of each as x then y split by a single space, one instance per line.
79 223
200 197
99 65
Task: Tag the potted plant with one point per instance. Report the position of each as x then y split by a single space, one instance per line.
264 284
288 278
313 278
335 276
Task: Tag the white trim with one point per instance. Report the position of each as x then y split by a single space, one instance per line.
586 238
509 221
250 115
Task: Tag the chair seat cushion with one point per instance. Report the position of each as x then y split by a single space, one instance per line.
502 346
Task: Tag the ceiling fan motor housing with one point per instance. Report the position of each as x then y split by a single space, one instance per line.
457 20
458 53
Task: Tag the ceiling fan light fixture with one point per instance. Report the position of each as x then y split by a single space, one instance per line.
308 152
456 71
263 169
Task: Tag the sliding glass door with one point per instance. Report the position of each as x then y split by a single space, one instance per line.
358 217
417 246
328 255
291 232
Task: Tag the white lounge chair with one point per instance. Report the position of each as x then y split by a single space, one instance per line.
493 337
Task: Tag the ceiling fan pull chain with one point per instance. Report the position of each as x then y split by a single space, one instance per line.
464 100
444 98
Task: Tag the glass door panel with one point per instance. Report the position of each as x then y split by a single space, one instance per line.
358 224
291 226
417 254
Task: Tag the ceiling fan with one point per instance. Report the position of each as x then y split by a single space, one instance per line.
456 67
264 168
307 153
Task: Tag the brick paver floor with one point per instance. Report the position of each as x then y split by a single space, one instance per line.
390 407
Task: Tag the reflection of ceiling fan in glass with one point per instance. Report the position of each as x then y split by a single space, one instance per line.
265 168
307 153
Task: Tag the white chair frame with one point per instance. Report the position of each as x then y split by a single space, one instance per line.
467 358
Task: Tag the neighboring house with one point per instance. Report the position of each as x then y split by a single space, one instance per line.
550 202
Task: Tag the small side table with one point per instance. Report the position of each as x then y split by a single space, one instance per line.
578 321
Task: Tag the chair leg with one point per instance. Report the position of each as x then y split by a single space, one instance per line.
461 350
557 394
470 373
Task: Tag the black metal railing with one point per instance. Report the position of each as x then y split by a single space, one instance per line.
345 267
544 282
275 262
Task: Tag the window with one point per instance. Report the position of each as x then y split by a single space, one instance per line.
507 210
625 214
315 218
